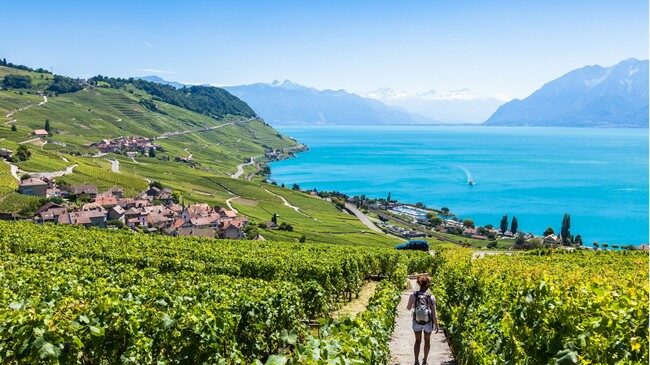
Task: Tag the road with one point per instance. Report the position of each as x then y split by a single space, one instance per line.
240 168
229 204
115 165
362 217
286 203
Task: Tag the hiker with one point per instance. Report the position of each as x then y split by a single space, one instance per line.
425 317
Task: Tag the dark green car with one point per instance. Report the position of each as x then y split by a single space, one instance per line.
420 245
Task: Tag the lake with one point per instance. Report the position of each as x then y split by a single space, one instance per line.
599 176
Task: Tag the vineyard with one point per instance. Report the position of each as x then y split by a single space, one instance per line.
545 307
74 295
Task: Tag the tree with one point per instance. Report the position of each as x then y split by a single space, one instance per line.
595 244
504 224
578 240
17 82
152 152
565 232
274 218
514 225
548 231
388 198
47 125
156 184
488 226
295 187
302 239
605 245
520 240
13 128
444 210
22 153
468 223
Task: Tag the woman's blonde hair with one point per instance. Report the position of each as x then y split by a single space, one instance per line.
424 281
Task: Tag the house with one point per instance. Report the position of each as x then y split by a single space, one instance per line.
89 191
116 191
469 232
550 240
271 225
106 200
233 229
49 213
196 232
33 186
78 218
40 132
116 213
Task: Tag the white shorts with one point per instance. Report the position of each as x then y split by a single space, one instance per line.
427 327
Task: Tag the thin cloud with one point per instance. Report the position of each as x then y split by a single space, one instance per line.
156 71
148 44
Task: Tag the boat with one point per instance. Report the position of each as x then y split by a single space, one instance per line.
471 182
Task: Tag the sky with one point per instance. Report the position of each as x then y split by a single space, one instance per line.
489 47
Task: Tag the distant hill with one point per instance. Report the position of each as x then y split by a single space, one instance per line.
290 103
160 80
591 96
457 106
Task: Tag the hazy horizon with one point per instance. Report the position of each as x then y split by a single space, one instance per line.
506 49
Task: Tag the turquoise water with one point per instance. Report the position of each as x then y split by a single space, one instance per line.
599 176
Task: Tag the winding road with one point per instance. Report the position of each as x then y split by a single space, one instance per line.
286 203
240 168
115 165
362 217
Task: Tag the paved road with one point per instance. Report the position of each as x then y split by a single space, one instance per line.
401 343
115 165
240 168
362 217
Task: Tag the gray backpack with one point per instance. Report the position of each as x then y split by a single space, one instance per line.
422 313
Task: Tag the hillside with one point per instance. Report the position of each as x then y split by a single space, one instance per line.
592 96
199 150
290 103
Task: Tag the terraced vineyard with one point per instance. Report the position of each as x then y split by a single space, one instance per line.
94 296
545 307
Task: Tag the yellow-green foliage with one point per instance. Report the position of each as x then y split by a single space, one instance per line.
544 308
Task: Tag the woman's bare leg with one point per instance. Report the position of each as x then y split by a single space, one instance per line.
416 346
427 345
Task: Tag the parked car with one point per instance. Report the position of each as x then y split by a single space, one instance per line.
420 245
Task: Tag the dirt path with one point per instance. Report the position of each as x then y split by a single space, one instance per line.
68 170
401 343
363 218
24 108
177 133
189 154
286 203
139 163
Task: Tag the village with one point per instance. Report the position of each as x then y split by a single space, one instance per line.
155 210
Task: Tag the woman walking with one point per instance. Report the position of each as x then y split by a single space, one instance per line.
425 318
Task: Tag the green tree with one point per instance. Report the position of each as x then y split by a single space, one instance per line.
468 223
152 152
514 225
22 153
565 232
548 231
295 187
444 210
13 128
274 218
504 224
595 244
388 198
302 239
578 240
47 125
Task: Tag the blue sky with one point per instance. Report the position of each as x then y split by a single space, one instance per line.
490 47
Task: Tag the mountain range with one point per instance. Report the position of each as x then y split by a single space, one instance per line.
591 96
287 102
452 107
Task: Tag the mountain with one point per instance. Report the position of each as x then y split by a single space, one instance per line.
591 96
291 103
160 80
458 106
